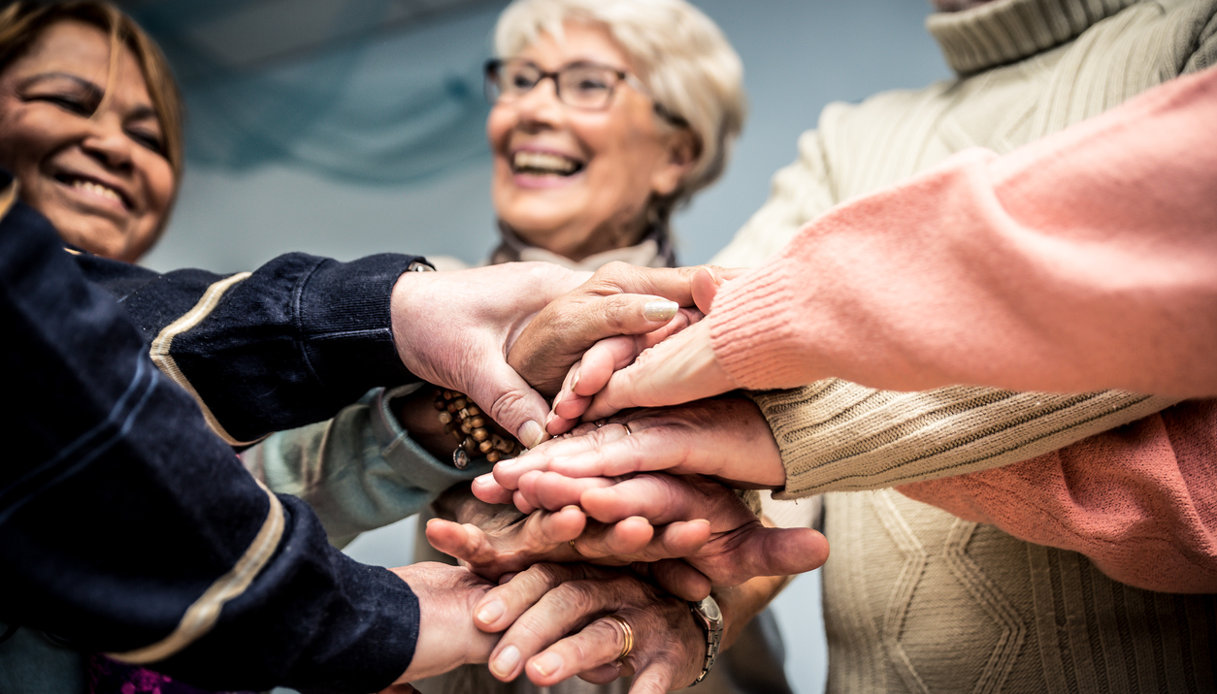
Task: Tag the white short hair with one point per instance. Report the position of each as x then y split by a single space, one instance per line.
678 52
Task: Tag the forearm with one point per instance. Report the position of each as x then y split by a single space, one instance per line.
1061 266
358 471
1136 501
840 436
118 455
287 344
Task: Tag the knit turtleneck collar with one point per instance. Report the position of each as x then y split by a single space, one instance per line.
1006 31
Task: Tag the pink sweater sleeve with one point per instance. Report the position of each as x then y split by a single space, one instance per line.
1140 500
1084 261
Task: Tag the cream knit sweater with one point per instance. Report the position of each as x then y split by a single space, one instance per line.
916 599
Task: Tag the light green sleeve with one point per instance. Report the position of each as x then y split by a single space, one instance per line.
358 471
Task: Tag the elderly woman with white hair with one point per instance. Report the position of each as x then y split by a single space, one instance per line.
606 117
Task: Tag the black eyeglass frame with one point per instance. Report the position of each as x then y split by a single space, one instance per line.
493 92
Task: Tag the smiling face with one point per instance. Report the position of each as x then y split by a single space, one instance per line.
86 146
577 182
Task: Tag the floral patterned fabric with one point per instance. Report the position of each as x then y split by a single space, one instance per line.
108 676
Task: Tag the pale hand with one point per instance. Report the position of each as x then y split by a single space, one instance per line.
611 377
726 438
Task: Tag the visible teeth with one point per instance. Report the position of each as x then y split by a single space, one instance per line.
97 189
543 162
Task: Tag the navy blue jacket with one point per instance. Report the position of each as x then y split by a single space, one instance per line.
127 525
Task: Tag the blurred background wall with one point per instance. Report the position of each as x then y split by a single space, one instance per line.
347 128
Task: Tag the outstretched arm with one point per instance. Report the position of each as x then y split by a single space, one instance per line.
1057 267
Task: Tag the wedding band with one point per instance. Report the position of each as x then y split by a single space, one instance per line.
627 636
572 546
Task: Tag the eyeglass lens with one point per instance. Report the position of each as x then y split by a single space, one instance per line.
582 85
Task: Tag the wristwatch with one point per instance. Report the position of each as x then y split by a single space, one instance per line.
708 615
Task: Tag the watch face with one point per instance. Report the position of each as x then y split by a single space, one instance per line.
709 609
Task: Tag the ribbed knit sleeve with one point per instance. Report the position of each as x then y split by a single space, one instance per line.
837 436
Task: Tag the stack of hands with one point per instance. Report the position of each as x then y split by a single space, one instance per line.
581 556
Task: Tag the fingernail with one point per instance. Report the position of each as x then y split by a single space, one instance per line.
505 662
531 434
490 612
574 381
547 664
660 309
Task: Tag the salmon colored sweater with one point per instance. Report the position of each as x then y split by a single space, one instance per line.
1087 259
1083 261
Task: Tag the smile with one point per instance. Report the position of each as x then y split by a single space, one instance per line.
94 188
544 164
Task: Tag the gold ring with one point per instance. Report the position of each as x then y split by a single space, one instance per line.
627 636
572 546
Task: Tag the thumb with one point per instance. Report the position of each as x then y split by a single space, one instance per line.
511 402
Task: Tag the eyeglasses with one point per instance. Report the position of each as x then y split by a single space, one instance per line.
583 85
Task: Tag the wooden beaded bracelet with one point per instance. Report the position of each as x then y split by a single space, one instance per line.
475 433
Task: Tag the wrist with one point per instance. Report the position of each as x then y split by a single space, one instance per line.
407 307
709 617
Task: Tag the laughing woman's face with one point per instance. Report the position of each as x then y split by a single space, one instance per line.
577 181
85 145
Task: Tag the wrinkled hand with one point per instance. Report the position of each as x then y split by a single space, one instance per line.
494 539
683 508
447 596
635 304
616 374
454 329
557 627
726 438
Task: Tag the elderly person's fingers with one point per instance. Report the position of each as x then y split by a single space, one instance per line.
679 578
507 473
680 369
618 299
707 281
562 621
545 603
754 550
738 545
501 548
466 351
726 438
564 330
635 539
663 498
550 490
487 489
591 373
